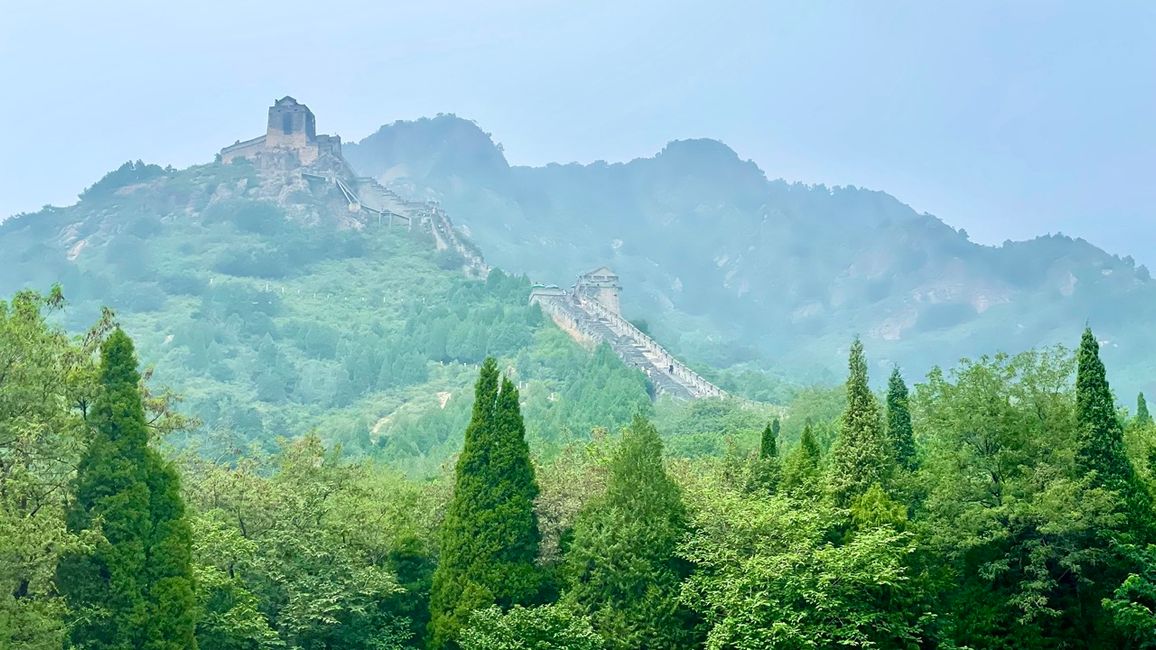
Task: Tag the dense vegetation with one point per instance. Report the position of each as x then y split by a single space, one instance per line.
740 272
273 316
1002 503
337 440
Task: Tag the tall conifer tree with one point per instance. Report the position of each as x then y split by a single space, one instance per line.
900 435
170 601
801 473
1143 417
624 569
490 535
766 469
134 589
769 443
1100 455
860 457
1100 436
1100 445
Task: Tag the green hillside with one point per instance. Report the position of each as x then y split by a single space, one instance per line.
272 310
737 271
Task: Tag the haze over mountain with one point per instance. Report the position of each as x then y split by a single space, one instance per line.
276 384
1007 119
733 268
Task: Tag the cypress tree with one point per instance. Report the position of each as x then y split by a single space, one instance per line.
899 431
1143 418
623 566
1100 436
1100 443
1100 455
801 475
170 601
766 469
134 588
769 444
489 540
860 457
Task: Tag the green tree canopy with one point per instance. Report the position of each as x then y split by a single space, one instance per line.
623 568
769 442
769 577
134 589
490 535
860 457
1143 417
900 435
549 627
801 472
46 381
1100 448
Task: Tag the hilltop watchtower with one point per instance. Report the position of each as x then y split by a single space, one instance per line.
601 285
290 139
291 125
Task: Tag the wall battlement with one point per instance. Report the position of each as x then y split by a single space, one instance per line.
585 315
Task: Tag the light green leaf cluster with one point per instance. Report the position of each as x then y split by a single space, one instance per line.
548 627
769 576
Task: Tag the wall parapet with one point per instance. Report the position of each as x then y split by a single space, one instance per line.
589 321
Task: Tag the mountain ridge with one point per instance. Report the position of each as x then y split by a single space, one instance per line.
715 254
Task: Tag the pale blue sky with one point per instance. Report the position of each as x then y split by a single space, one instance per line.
1006 118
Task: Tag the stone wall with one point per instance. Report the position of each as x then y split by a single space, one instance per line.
247 149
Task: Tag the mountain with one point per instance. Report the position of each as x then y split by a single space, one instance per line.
737 271
272 309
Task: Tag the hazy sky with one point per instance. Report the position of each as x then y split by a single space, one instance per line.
1007 118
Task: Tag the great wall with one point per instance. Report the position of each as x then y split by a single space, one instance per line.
589 312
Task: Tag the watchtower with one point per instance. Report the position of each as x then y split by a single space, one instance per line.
601 285
291 125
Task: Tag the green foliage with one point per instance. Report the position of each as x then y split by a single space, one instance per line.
548 627
874 508
170 603
490 535
1024 529
860 457
1000 538
275 318
285 557
768 577
1100 448
127 174
1143 418
246 215
769 443
1132 606
802 474
1100 442
900 435
44 387
623 570
597 391
134 589
705 427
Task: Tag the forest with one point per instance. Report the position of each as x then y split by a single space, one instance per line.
1004 502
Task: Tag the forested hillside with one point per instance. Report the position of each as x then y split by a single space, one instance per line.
237 415
735 270
1002 503
272 310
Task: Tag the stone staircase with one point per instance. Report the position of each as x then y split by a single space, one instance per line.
590 321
